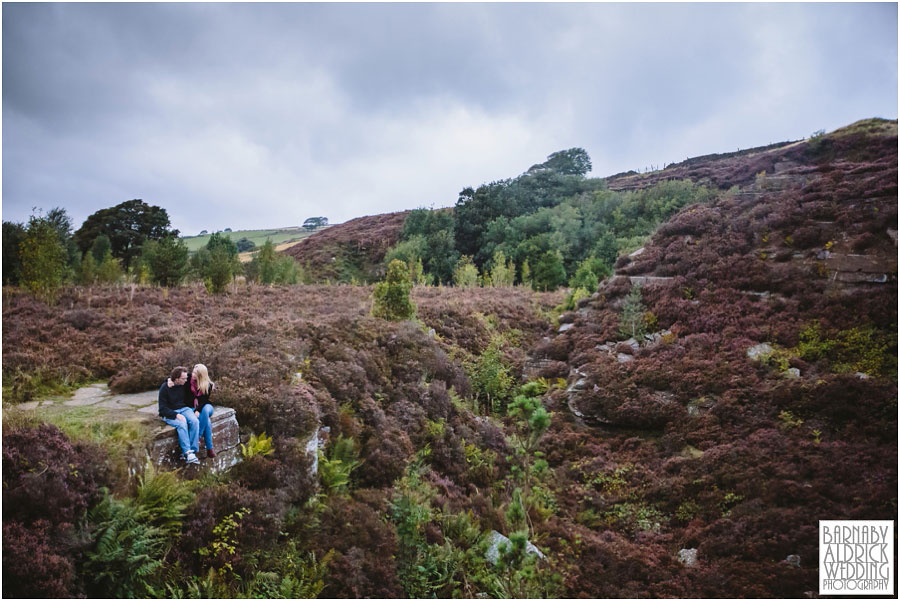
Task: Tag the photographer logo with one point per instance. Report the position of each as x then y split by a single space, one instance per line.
856 557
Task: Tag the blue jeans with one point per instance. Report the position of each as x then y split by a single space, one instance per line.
188 431
205 425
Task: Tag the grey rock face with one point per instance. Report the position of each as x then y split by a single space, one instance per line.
688 557
165 452
493 552
759 351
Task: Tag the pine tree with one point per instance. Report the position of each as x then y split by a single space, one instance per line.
391 296
266 260
43 259
631 324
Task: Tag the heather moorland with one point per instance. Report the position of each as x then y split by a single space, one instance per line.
661 381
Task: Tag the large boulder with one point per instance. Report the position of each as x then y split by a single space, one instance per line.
165 452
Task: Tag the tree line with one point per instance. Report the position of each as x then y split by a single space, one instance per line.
132 241
549 227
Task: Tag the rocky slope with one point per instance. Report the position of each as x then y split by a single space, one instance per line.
763 395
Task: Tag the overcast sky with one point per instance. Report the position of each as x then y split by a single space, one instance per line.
255 116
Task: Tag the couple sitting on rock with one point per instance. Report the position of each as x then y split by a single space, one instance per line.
185 406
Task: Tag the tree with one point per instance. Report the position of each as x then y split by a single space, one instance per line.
109 271
391 296
589 274
13 235
430 232
220 241
314 222
548 273
166 259
245 245
218 270
503 273
127 225
99 247
217 263
287 270
87 272
43 258
466 274
631 324
574 161
526 274
266 262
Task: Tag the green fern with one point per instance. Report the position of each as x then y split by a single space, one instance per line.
127 549
258 445
335 468
164 497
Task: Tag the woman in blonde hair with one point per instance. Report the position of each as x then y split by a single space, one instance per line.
201 389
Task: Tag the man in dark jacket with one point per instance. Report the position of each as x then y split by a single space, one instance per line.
175 411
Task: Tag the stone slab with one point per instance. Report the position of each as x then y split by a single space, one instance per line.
84 401
138 400
165 451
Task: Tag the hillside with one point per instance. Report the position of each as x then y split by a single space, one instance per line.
680 433
350 251
745 454
279 236
627 207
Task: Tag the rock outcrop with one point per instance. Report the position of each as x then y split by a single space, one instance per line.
164 450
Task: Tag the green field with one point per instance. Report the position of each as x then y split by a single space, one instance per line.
277 236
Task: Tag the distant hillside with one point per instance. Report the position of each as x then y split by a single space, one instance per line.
542 211
740 168
278 236
350 251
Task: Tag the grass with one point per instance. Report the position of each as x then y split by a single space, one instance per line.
277 235
125 439
21 387
874 126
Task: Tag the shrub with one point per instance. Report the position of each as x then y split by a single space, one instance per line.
548 273
385 456
465 274
43 259
391 296
41 463
36 564
219 270
631 323
490 377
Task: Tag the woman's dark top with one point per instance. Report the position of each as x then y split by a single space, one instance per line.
200 399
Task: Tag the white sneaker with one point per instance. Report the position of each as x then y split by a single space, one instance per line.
191 458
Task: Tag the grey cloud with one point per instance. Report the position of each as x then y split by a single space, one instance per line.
245 113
